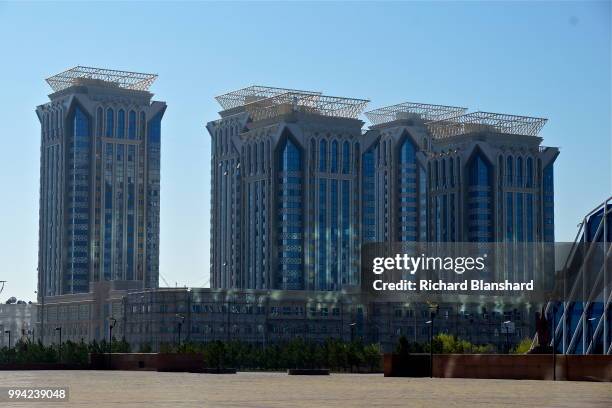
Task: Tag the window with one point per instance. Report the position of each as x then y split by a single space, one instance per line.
132 125
323 155
110 122
121 124
346 153
529 181
334 157
509 170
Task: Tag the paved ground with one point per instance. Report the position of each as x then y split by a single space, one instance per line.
102 389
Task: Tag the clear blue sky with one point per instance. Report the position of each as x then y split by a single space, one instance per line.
541 59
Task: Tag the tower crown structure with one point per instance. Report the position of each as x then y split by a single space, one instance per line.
99 193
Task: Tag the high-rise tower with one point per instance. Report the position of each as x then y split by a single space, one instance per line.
297 187
285 188
446 176
439 174
99 181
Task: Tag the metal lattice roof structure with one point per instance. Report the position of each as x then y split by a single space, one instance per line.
486 121
263 102
252 93
317 104
426 111
123 79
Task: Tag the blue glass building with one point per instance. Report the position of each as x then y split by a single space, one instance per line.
442 175
297 187
583 317
99 189
285 188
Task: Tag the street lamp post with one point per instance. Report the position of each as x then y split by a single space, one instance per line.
590 335
554 341
433 309
111 326
352 326
507 327
59 329
9 334
181 319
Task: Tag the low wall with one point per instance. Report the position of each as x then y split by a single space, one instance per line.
502 366
147 361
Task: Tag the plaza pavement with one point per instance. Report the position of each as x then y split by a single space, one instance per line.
102 389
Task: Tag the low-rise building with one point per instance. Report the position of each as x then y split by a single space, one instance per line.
18 319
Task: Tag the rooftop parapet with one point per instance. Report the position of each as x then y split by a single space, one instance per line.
406 110
486 121
80 75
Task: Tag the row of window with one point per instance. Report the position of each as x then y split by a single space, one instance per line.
119 124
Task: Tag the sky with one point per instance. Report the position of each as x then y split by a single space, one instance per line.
546 59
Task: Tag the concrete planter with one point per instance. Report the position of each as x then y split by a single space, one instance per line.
167 362
411 365
308 371
502 366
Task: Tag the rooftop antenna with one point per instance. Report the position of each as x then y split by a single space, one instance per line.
2 288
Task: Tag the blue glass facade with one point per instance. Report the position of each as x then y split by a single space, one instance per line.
548 203
290 217
152 199
78 205
408 221
99 188
586 327
368 191
480 199
322 239
327 198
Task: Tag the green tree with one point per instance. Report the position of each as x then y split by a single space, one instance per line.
523 346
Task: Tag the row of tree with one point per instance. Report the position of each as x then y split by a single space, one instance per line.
334 354
69 352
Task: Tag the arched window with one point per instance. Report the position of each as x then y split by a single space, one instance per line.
143 125
346 157
451 172
99 121
334 157
322 155
444 181
458 170
261 155
110 122
249 160
225 141
519 172
509 171
436 176
385 153
132 125
529 172
313 152
121 124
